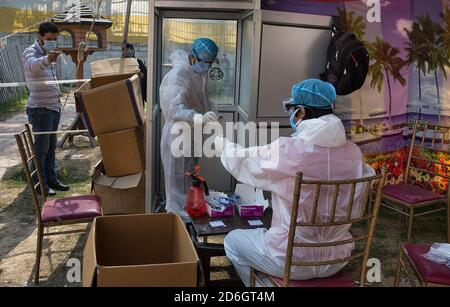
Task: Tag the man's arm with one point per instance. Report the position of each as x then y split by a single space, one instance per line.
33 63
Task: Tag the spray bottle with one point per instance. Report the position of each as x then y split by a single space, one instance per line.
195 202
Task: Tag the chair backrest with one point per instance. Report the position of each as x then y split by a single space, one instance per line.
369 215
434 139
31 168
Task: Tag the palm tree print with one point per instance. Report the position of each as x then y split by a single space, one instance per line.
445 15
350 22
415 49
433 49
386 63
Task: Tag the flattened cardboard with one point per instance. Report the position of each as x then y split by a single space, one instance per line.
112 107
122 152
153 250
119 195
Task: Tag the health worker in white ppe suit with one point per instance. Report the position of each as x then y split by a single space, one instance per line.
183 94
320 150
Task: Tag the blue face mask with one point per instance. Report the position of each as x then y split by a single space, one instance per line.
294 124
129 53
50 46
201 67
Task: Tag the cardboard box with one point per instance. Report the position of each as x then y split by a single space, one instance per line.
139 251
112 107
123 152
114 66
112 70
252 202
250 210
119 195
214 213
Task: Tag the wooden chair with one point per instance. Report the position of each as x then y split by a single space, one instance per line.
428 273
364 240
51 213
407 198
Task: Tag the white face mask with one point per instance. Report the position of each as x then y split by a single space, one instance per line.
50 46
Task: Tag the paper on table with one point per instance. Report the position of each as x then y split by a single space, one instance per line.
255 222
216 224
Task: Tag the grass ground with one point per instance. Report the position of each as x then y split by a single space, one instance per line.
8 108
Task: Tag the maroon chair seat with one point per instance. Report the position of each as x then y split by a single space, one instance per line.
411 194
430 271
340 280
71 208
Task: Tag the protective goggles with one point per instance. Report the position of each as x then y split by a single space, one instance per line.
210 63
288 104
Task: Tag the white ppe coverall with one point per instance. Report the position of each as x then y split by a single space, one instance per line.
183 93
320 151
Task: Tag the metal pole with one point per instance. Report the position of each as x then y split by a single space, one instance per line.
126 27
149 114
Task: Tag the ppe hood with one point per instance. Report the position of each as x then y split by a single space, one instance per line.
326 131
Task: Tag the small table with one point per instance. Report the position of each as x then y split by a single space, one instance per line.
205 230
200 227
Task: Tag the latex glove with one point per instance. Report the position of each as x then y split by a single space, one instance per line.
210 117
219 144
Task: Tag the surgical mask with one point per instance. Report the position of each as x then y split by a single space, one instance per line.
129 53
294 124
50 46
201 67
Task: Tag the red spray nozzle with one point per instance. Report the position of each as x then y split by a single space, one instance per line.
197 179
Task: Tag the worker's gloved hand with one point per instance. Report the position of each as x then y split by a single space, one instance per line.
219 144
210 117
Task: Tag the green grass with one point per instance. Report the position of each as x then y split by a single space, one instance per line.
11 107
79 182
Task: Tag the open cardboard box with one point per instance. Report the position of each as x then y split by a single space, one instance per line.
152 250
111 70
119 195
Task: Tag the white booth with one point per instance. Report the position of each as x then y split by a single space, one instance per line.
262 53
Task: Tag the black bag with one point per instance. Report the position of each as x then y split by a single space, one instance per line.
347 64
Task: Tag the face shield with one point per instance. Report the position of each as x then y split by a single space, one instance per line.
216 72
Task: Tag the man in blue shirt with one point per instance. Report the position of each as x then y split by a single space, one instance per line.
44 106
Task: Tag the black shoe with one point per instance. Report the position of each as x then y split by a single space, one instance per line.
58 186
50 192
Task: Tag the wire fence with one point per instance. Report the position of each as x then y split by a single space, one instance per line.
11 70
